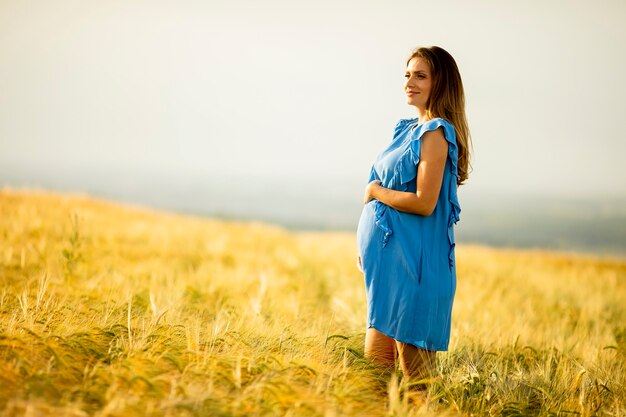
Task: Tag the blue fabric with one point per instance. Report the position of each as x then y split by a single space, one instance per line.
408 259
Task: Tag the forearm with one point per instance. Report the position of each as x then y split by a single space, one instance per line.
404 201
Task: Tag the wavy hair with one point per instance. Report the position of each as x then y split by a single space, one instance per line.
447 100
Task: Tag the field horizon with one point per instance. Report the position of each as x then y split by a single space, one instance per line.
113 309
593 222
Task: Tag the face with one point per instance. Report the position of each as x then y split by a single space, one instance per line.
418 83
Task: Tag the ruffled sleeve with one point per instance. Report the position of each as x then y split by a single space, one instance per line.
406 170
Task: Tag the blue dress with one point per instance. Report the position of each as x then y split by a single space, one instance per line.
408 259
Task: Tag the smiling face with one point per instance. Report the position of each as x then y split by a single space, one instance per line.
418 83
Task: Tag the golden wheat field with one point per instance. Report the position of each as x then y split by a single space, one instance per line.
111 310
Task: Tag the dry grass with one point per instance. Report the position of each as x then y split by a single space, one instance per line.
118 311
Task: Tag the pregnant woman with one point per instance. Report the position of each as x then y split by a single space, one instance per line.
406 230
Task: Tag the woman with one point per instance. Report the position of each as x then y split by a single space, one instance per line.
406 230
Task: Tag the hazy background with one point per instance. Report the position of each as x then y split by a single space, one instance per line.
275 110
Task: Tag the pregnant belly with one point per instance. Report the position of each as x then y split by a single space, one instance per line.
367 233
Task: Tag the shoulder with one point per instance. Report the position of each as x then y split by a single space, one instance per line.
434 143
438 135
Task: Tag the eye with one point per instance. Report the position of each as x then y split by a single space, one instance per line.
421 76
406 75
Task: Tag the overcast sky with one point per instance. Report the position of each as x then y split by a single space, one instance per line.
305 90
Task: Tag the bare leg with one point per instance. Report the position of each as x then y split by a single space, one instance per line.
380 349
417 364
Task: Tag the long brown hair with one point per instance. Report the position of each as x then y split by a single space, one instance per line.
447 100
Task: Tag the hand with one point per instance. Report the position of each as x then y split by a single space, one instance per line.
359 264
369 191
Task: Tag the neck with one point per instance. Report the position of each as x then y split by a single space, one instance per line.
421 115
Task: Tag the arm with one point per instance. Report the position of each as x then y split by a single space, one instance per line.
433 154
